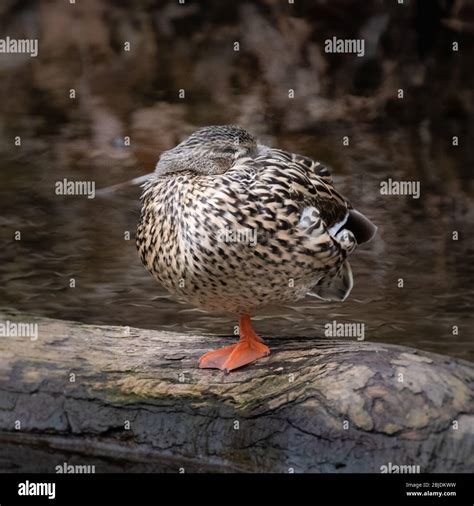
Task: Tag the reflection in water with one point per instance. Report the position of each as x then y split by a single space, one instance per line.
92 242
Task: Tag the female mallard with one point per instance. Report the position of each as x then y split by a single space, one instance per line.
230 224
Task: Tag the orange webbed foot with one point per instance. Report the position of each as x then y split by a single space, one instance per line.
244 353
215 359
247 350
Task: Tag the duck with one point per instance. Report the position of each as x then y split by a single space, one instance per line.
228 224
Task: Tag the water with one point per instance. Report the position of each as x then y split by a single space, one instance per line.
72 237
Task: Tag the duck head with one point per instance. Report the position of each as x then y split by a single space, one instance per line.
208 151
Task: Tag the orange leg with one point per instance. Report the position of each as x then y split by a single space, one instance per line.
249 348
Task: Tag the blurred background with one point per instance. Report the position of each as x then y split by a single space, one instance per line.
190 47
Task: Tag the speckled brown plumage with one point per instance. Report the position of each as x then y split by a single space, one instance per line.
228 224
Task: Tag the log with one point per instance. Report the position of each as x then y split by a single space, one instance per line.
127 399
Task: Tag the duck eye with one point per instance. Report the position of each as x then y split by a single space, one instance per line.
228 149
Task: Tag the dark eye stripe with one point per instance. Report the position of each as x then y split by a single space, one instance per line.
228 149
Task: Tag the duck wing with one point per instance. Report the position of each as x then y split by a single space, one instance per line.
314 183
327 219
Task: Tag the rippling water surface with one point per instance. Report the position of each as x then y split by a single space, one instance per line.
85 239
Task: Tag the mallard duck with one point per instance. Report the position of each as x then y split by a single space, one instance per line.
229 224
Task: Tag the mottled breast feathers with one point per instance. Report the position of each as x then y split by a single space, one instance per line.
290 219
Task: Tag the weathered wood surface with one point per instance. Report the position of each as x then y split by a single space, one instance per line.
291 407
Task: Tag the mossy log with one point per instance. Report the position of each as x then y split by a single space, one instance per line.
132 399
